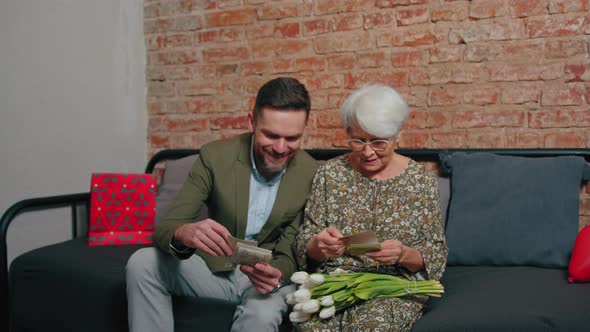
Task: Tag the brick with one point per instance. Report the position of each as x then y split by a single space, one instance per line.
230 17
558 49
487 119
190 140
199 104
281 48
313 64
219 3
342 42
440 54
555 26
176 123
188 6
453 73
317 139
409 37
317 27
159 140
485 139
199 88
447 139
578 72
562 95
522 138
490 31
155 107
164 41
480 9
336 99
229 122
161 89
585 206
177 73
512 51
521 94
482 52
560 118
564 139
229 53
392 78
222 35
378 20
397 3
255 68
157 25
260 30
176 58
482 96
157 9
454 11
415 96
187 23
412 15
203 71
346 22
526 72
226 69
323 7
323 81
275 12
287 30
283 66
328 119
409 139
319 101
524 8
419 76
371 59
568 6
337 62
442 96
409 58
426 119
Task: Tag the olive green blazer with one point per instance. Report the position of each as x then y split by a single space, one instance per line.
220 178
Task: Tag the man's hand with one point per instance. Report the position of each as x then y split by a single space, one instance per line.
326 244
392 252
206 235
264 277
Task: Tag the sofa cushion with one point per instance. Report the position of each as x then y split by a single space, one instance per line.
507 210
175 174
579 267
507 298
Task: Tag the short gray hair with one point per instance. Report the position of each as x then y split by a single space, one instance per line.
378 109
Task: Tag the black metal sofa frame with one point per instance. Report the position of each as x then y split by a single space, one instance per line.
478 309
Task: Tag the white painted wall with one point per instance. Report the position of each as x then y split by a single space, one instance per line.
72 102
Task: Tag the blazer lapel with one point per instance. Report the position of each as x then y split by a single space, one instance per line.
242 190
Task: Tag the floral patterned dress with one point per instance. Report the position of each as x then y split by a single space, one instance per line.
405 208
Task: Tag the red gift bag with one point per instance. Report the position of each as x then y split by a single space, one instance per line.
122 209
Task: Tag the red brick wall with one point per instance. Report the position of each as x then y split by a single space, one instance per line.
477 74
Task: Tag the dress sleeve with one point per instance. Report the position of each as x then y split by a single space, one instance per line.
314 219
433 246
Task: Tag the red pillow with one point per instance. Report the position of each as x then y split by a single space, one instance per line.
579 267
122 209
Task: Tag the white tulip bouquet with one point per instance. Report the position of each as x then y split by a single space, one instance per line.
327 294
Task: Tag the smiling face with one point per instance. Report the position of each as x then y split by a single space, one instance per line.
277 136
368 161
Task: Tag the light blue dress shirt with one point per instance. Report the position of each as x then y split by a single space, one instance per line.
262 198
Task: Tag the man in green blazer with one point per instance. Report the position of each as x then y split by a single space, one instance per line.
255 186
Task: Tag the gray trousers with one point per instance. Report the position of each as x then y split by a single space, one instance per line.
154 276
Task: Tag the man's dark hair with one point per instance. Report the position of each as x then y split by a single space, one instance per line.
282 93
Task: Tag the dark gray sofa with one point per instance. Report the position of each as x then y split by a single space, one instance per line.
70 286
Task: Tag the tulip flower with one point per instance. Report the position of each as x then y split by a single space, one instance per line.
326 294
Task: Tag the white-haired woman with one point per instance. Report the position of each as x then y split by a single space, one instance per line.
374 188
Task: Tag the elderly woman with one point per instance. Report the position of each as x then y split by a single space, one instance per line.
374 188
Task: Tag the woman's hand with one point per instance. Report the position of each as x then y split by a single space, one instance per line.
327 244
394 252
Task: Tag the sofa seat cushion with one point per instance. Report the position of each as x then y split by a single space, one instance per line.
518 298
70 286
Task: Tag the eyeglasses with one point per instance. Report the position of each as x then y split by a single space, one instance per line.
376 145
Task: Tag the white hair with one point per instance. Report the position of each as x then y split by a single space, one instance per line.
378 109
